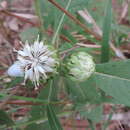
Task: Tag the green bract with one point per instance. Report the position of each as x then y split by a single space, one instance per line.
81 66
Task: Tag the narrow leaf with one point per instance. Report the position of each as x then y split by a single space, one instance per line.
39 111
5 119
53 120
106 33
116 68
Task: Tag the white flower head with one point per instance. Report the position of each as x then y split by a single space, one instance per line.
34 61
81 66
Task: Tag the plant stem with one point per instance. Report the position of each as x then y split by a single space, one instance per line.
50 91
60 23
20 100
42 120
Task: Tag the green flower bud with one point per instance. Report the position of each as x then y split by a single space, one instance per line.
81 66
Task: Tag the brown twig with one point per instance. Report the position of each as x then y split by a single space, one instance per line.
22 102
18 17
75 20
33 24
88 18
68 50
63 37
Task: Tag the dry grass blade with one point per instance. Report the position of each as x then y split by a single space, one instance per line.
88 18
124 10
5 101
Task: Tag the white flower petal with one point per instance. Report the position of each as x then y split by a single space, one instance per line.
15 70
36 60
47 68
29 75
50 61
23 61
43 58
41 70
22 53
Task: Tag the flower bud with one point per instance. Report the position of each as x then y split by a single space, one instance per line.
81 66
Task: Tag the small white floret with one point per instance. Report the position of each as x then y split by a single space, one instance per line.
35 61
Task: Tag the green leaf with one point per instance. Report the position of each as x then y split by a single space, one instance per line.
5 119
65 46
34 126
116 68
55 88
78 4
83 92
53 121
113 78
38 11
29 34
14 82
69 35
25 98
38 112
106 33
118 88
93 114
96 9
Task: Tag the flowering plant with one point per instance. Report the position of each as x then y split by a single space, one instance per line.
69 83
34 61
